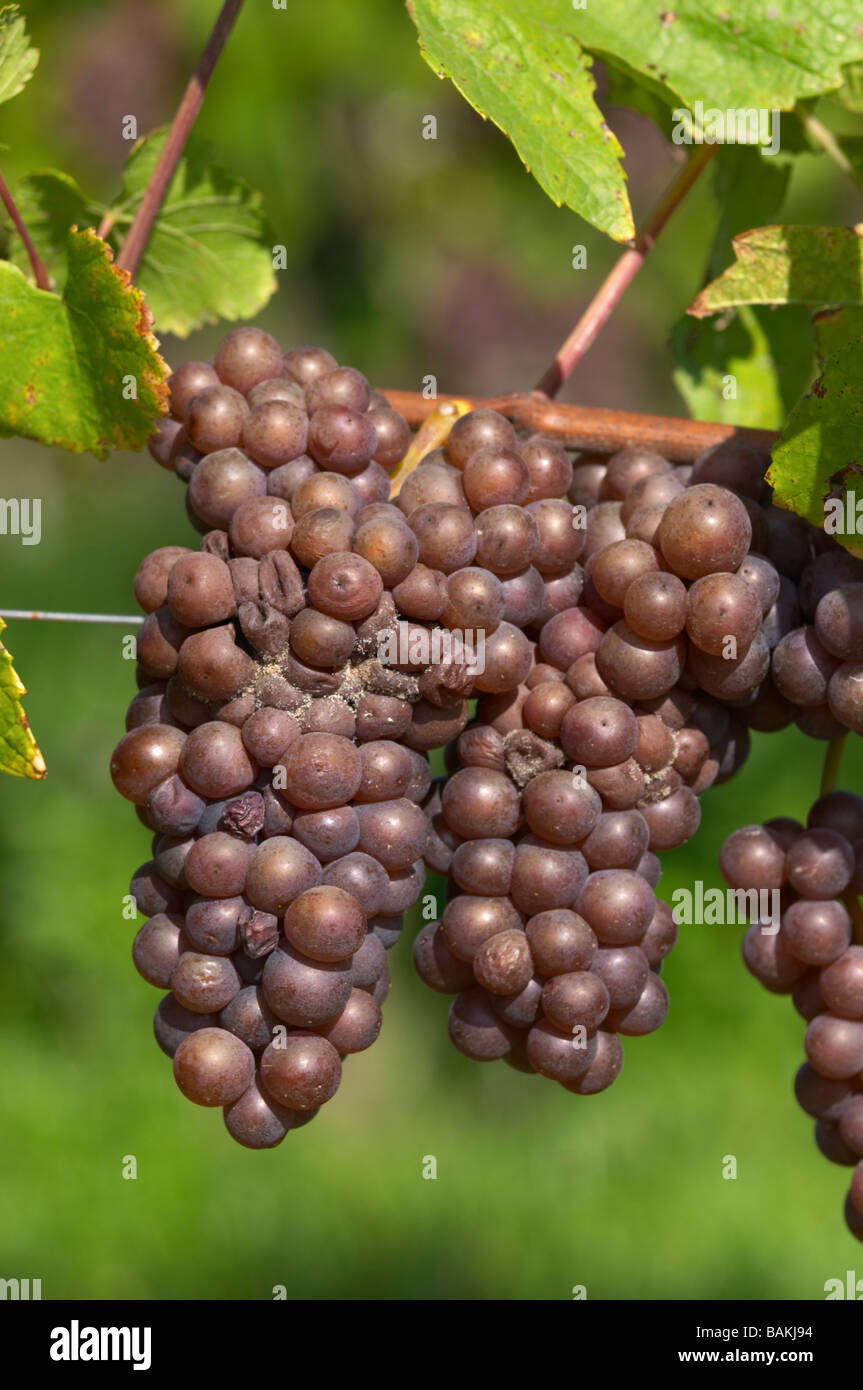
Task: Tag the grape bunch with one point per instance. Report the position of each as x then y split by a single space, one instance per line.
277 757
809 953
659 631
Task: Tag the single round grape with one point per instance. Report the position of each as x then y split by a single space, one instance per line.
816 932
261 525
614 569
256 1121
762 578
519 1010
360 876
475 1029
635 667
560 538
422 594
469 920
393 436
834 1046
305 364
345 586
325 490
767 957
212 666
145 757
214 418
618 905
319 640
186 381
845 695
819 1097
475 601
583 678
622 785
484 866
545 876
286 480
217 864
325 924
720 606
302 992
801 667
820 864
212 924
328 834
624 971
705 529
341 439
831 1144
247 356
732 677
280 870
431 484
249 1019
157 948
200 590
152 893
549 468
503 964
561 942
214 761
507 539
569 635
341 386
393 832
650 868
431 727
495 476
604 527
628 467
436 965
302 1073
204 984
277 388
599 732
661 934
507 660
674 820
445 535
158 643
558 1055
841 984
212 1067
172 1024
603 1071
577 999
481 802
357 1026
369 963
618 840
321 771
646 1014
380 716
526 597
151 581
390 546
268 733
477 430
838 810
560 808
324 531
753 857
652 490
545 707
839 622
275 432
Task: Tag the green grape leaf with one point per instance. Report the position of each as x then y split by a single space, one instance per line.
752 54
19 752
17 59
836 328
80 372
520 65
820 454
745 368
50 204
210 254
816 266
851 93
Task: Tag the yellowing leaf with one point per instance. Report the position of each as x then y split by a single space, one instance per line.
19 752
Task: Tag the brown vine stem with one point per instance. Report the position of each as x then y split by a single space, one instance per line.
43 279
590 428
138 235
611 291
832 764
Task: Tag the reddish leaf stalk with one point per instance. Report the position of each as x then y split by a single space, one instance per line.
611 291
43 279
129 257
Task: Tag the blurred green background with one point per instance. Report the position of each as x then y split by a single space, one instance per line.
405 257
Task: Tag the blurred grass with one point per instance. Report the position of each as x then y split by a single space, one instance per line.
406 257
